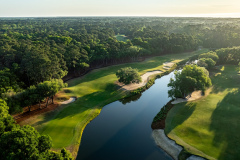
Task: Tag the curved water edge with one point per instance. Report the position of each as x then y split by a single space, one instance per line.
123 128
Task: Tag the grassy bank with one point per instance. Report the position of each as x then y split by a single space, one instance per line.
209 127
94 91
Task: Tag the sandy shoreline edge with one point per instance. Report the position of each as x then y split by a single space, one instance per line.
170 146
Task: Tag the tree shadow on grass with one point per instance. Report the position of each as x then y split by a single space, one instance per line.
224 79
184 111
225 123
83 104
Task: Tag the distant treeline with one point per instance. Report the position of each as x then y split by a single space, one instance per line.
34 50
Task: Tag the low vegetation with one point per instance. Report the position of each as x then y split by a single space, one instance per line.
162 114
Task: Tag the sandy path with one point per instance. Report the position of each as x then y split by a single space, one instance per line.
72 99
144 77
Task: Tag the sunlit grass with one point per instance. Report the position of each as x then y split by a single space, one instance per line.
209 127
94 90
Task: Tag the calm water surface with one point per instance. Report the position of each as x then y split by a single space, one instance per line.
123 131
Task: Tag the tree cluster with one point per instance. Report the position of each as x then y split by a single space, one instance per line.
25 142
34 94
208 60
34 50
191 78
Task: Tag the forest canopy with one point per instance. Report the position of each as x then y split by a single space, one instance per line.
35 50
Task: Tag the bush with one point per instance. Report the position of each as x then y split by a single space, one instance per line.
206 62
211 54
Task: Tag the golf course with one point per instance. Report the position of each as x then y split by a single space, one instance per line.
93 91
209 127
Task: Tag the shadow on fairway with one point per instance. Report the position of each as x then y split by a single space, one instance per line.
225 122
186 111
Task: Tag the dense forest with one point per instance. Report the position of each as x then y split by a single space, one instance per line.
35 53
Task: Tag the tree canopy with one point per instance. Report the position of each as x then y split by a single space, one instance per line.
206 62
128 75
24 142
189 79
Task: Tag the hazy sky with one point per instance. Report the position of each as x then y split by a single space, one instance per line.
33 8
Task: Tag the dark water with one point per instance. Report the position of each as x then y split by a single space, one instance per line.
123 131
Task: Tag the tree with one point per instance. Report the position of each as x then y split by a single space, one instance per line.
239 66
211 54
206 62
6 120
128 75
48 89
25 142
8 81
191 78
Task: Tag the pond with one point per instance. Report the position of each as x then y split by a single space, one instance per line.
122 131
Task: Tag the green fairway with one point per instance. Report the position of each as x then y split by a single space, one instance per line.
209 127
94 90
121 38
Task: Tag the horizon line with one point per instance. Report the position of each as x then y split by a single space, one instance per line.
150 16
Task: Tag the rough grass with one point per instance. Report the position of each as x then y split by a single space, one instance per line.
94 90
209 127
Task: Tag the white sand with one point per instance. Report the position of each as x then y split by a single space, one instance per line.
168 64
170 146
72 99
194 96
166 144
145 79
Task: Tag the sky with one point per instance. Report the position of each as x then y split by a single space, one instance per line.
161 8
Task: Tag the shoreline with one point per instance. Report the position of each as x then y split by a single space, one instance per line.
162 140
96 110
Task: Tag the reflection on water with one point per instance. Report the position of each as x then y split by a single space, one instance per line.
130 99
123 131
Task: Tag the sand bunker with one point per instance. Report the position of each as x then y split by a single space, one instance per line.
72 99
194 96
145 79
168 65
166 144
170 146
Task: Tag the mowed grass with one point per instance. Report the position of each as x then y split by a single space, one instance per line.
94 90
121 38
210 127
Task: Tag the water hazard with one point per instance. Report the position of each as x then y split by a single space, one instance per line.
123 131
